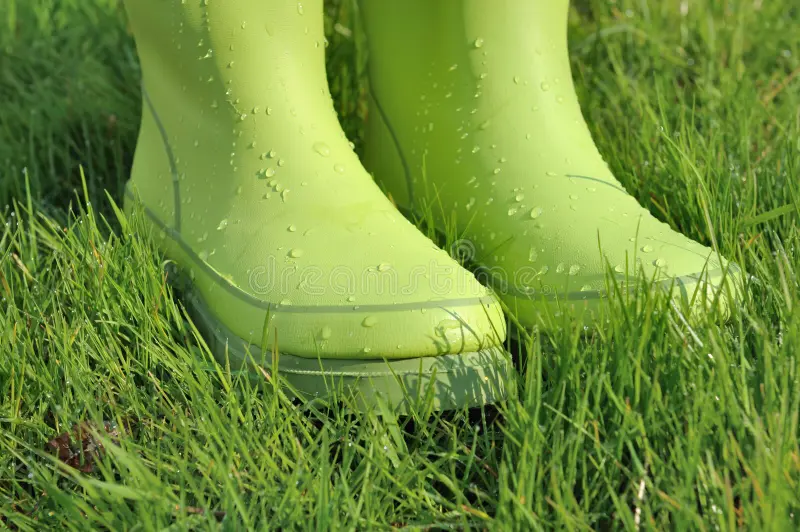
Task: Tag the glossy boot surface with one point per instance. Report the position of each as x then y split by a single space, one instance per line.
474 118
284 240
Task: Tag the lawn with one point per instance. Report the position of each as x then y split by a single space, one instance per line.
114 415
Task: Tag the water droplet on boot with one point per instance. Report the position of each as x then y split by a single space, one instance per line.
449 325
296 253
619 268
326 333
536 212
647 249
339 168
574 269
322 149
478 42
292 228
533 255
369 321
222 225
545 86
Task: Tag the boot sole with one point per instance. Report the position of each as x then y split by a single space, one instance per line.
443 382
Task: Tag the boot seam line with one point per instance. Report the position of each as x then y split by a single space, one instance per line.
173 167
398 149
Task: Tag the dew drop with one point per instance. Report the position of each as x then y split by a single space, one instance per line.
322 149
449 325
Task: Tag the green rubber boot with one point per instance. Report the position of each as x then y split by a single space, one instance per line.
474 117
252 189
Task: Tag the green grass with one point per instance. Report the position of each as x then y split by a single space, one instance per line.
643 418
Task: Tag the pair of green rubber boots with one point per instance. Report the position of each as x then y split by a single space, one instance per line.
289 245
